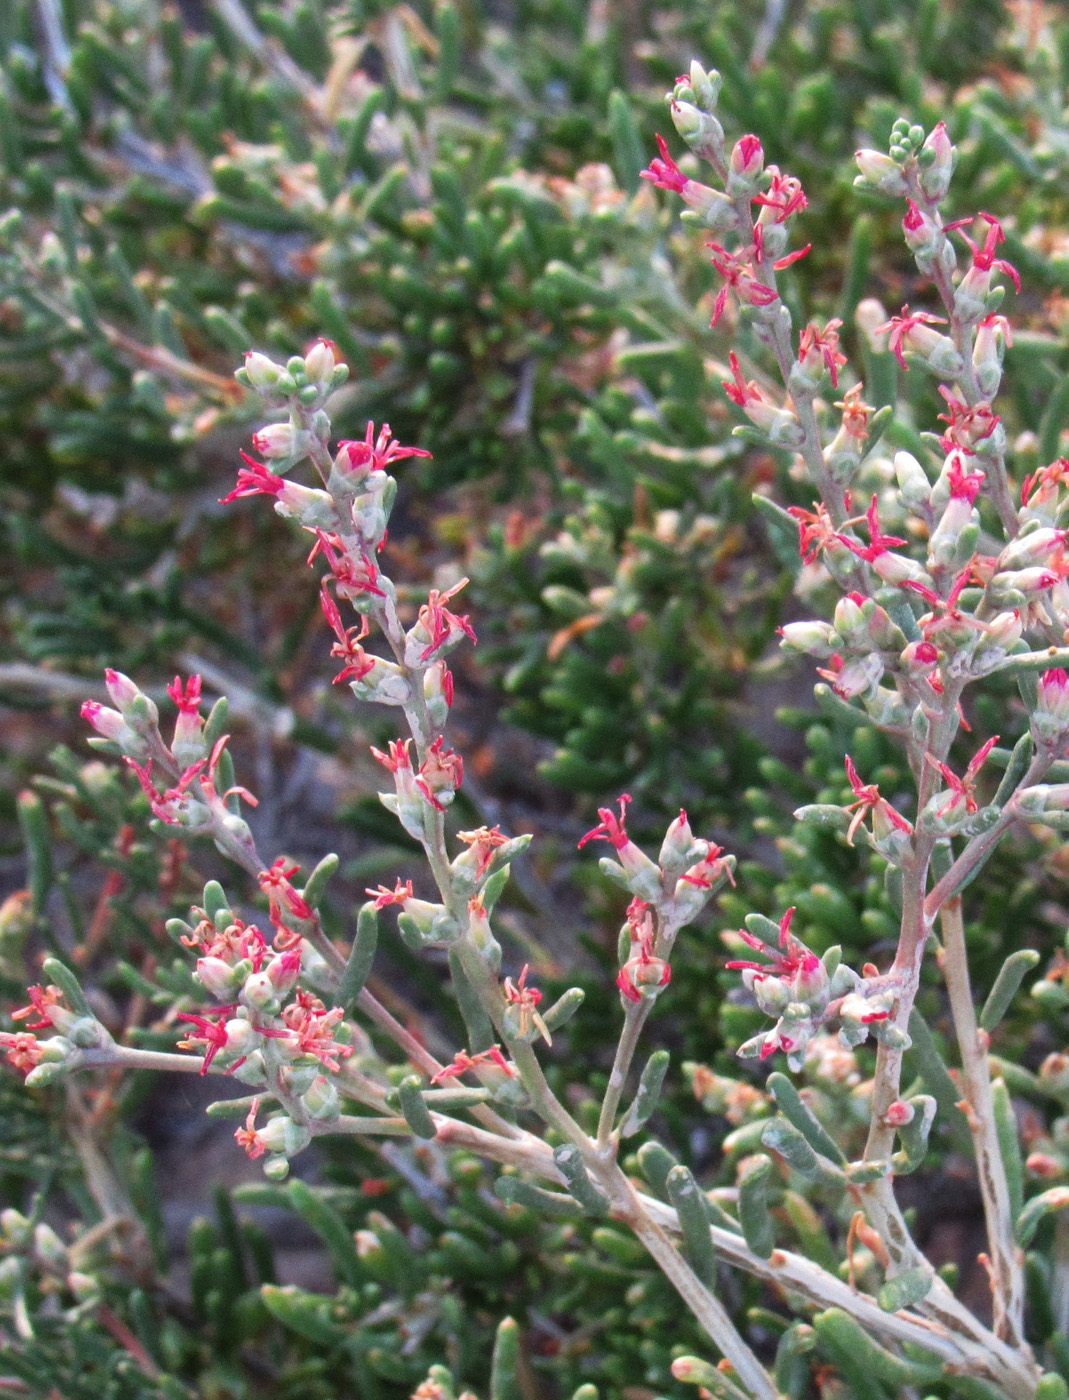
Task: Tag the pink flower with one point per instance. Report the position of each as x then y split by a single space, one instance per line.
376 453
664 172
983 256
758 406
352 576
611 828
347 648
963 790
463 1062
310 1030
173 805
783 198
46 1002
186 697
869 800
964 486
816 346
909 332
707 871
739 277
397 758
23 1050
247 1137
815 531
524 1002
440 625
441 772
878 541
793 963
968 424
383 897
483 842
780 263
283 901
1042 487
254 479
213 1035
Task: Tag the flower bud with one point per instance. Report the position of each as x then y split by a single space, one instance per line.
275 440
14 1227
282 971
133 704
438 693
880 172
281 1135
848 619
1044 1165
920 658
1050 720
677 849
319 364
700 130
219 978
705 86
321 1100
745 164
813 638
936 161
992 336
771 995
898 1114
1030 548
261 372
259 992
241 1037
912 481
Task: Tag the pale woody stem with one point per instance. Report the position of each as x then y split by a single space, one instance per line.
1007 1276
635 1015
705 1307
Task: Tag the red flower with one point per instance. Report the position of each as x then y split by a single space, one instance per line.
211 1034
401 891
793 957
665 173
739 277
347 648
983 256
963 789
611 827
816 345
878 541
869 800
440 624
463 1062
187 697
254 481
910 325
376 453
353 576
